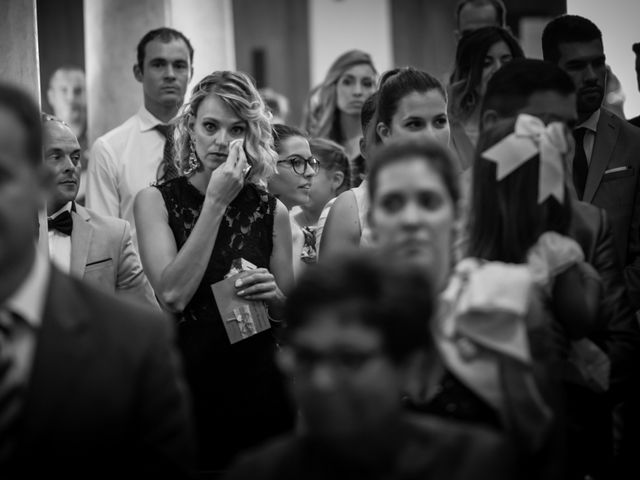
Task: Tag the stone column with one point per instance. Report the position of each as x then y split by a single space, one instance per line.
19 40
208 24
335 27
113 29
19 61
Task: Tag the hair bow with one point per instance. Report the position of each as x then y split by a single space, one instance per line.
531 137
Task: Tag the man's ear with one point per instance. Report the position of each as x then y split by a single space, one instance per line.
489 119
337 180
383 130
137 72
362 145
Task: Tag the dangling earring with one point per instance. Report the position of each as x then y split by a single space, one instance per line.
194 163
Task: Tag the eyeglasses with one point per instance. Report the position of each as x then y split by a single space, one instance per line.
299 163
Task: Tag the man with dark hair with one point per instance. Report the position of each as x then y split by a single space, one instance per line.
139 152
606 166
636 49
354 327
543 89
90 385
474 14
529 86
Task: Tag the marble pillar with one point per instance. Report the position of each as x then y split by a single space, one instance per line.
19 61
113 29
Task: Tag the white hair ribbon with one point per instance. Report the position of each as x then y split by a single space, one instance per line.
531 137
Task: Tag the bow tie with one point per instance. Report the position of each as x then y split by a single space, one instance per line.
62 223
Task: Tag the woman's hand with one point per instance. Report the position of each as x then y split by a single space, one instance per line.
228 179
259 285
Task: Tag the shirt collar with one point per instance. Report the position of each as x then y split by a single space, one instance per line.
28 300
591 123
147 120
65 208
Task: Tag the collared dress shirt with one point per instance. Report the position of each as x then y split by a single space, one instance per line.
28 302
590 124
122 162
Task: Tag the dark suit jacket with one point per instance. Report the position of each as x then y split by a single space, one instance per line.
618 332
635 121
613 184
432 447
106 395
103 254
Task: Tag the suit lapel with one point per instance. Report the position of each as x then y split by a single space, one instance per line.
80 241
61 348
602 149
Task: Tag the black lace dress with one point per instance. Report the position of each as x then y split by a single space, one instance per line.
239 396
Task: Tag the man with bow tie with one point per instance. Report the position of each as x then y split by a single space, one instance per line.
96 248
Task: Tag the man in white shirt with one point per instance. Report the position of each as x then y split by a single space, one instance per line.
130 157
95 248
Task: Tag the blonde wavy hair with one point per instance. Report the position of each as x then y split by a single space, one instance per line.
238 92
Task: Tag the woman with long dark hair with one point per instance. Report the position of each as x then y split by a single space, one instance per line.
333 109
480 53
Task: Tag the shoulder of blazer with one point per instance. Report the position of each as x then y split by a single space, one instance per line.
627 129
104 221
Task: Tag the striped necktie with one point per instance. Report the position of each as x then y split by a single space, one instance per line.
10 381
580 164
167 169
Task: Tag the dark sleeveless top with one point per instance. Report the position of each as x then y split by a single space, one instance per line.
239 396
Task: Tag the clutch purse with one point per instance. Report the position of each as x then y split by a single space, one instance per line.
241 318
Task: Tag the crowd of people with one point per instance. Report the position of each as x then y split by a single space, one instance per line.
424 279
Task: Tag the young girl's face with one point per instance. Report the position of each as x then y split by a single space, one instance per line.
419 115
354 86
291 186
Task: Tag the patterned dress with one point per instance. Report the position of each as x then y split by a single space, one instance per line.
239 397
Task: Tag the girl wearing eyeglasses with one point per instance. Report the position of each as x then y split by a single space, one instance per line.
191 229
292 184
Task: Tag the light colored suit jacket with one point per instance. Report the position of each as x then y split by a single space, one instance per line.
613 184
102 253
